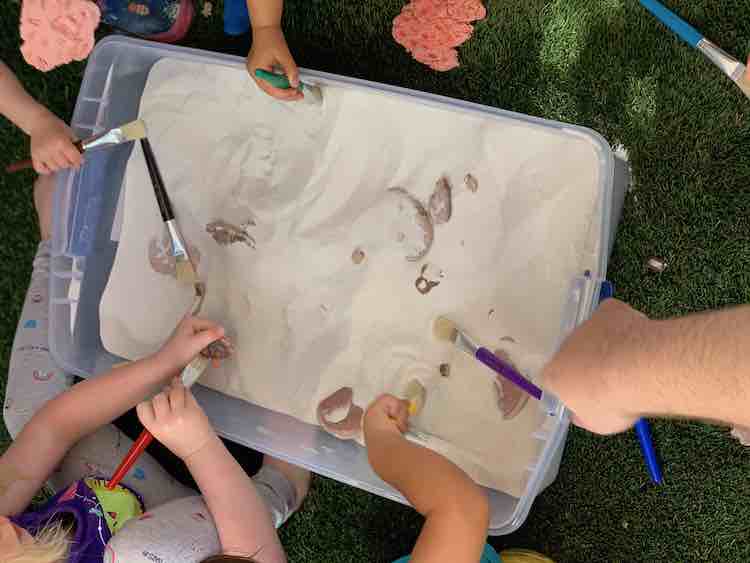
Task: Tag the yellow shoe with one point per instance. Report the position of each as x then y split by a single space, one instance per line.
523 556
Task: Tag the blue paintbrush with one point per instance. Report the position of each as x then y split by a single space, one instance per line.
730 66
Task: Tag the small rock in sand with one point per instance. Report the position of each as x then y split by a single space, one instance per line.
358 256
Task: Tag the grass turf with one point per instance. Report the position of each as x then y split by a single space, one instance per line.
606 65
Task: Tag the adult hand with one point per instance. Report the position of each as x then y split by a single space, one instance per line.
190 337
176 419
270 50
589 372
52 145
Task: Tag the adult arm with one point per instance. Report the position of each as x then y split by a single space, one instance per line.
620 366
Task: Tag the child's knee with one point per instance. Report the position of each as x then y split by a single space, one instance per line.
182 530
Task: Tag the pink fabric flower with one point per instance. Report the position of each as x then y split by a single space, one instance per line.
431 29
466 10
441 59
56 32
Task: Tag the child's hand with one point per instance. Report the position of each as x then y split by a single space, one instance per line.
269 50
176 419
52 146
387 414
190 337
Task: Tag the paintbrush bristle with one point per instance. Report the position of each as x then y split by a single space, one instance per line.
743 82
312 93
445 329
134 130
184 270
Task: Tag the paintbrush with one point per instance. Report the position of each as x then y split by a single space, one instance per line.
312 93
730 66
123 134
189 376
445 329
184 269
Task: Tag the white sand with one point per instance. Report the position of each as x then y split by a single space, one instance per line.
307 320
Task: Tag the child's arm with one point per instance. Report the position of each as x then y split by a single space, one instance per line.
51 140
456 510
66 419
269 48
242 519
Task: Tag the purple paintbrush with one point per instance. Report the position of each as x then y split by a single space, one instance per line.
445 329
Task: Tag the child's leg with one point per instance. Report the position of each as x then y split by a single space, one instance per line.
158 20
282 486
99 455
34 379
183 530
236 17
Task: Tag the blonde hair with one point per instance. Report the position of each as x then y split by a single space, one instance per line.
51 545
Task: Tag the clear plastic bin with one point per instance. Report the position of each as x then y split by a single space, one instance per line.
83 254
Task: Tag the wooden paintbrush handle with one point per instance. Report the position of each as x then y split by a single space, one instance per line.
18 166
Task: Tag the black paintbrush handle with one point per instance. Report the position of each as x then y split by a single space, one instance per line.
165 207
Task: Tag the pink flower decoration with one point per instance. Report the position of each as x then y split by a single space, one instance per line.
441 59
56 32
466 10
431 29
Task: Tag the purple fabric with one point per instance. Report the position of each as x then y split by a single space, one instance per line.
91 530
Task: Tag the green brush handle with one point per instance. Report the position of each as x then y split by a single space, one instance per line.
275 80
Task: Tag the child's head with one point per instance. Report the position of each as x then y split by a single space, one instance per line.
50 545
229 559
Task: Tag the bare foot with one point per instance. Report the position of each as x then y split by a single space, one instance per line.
44 190
299 477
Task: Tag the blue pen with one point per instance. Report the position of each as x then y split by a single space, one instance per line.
642 427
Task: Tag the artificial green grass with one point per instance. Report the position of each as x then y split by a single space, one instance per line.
607 65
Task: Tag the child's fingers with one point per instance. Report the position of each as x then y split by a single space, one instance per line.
198 324
41 167
72 155
160 404
289 94
190 400
145 412
203 339
177 396
399 412
58 162
290 68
